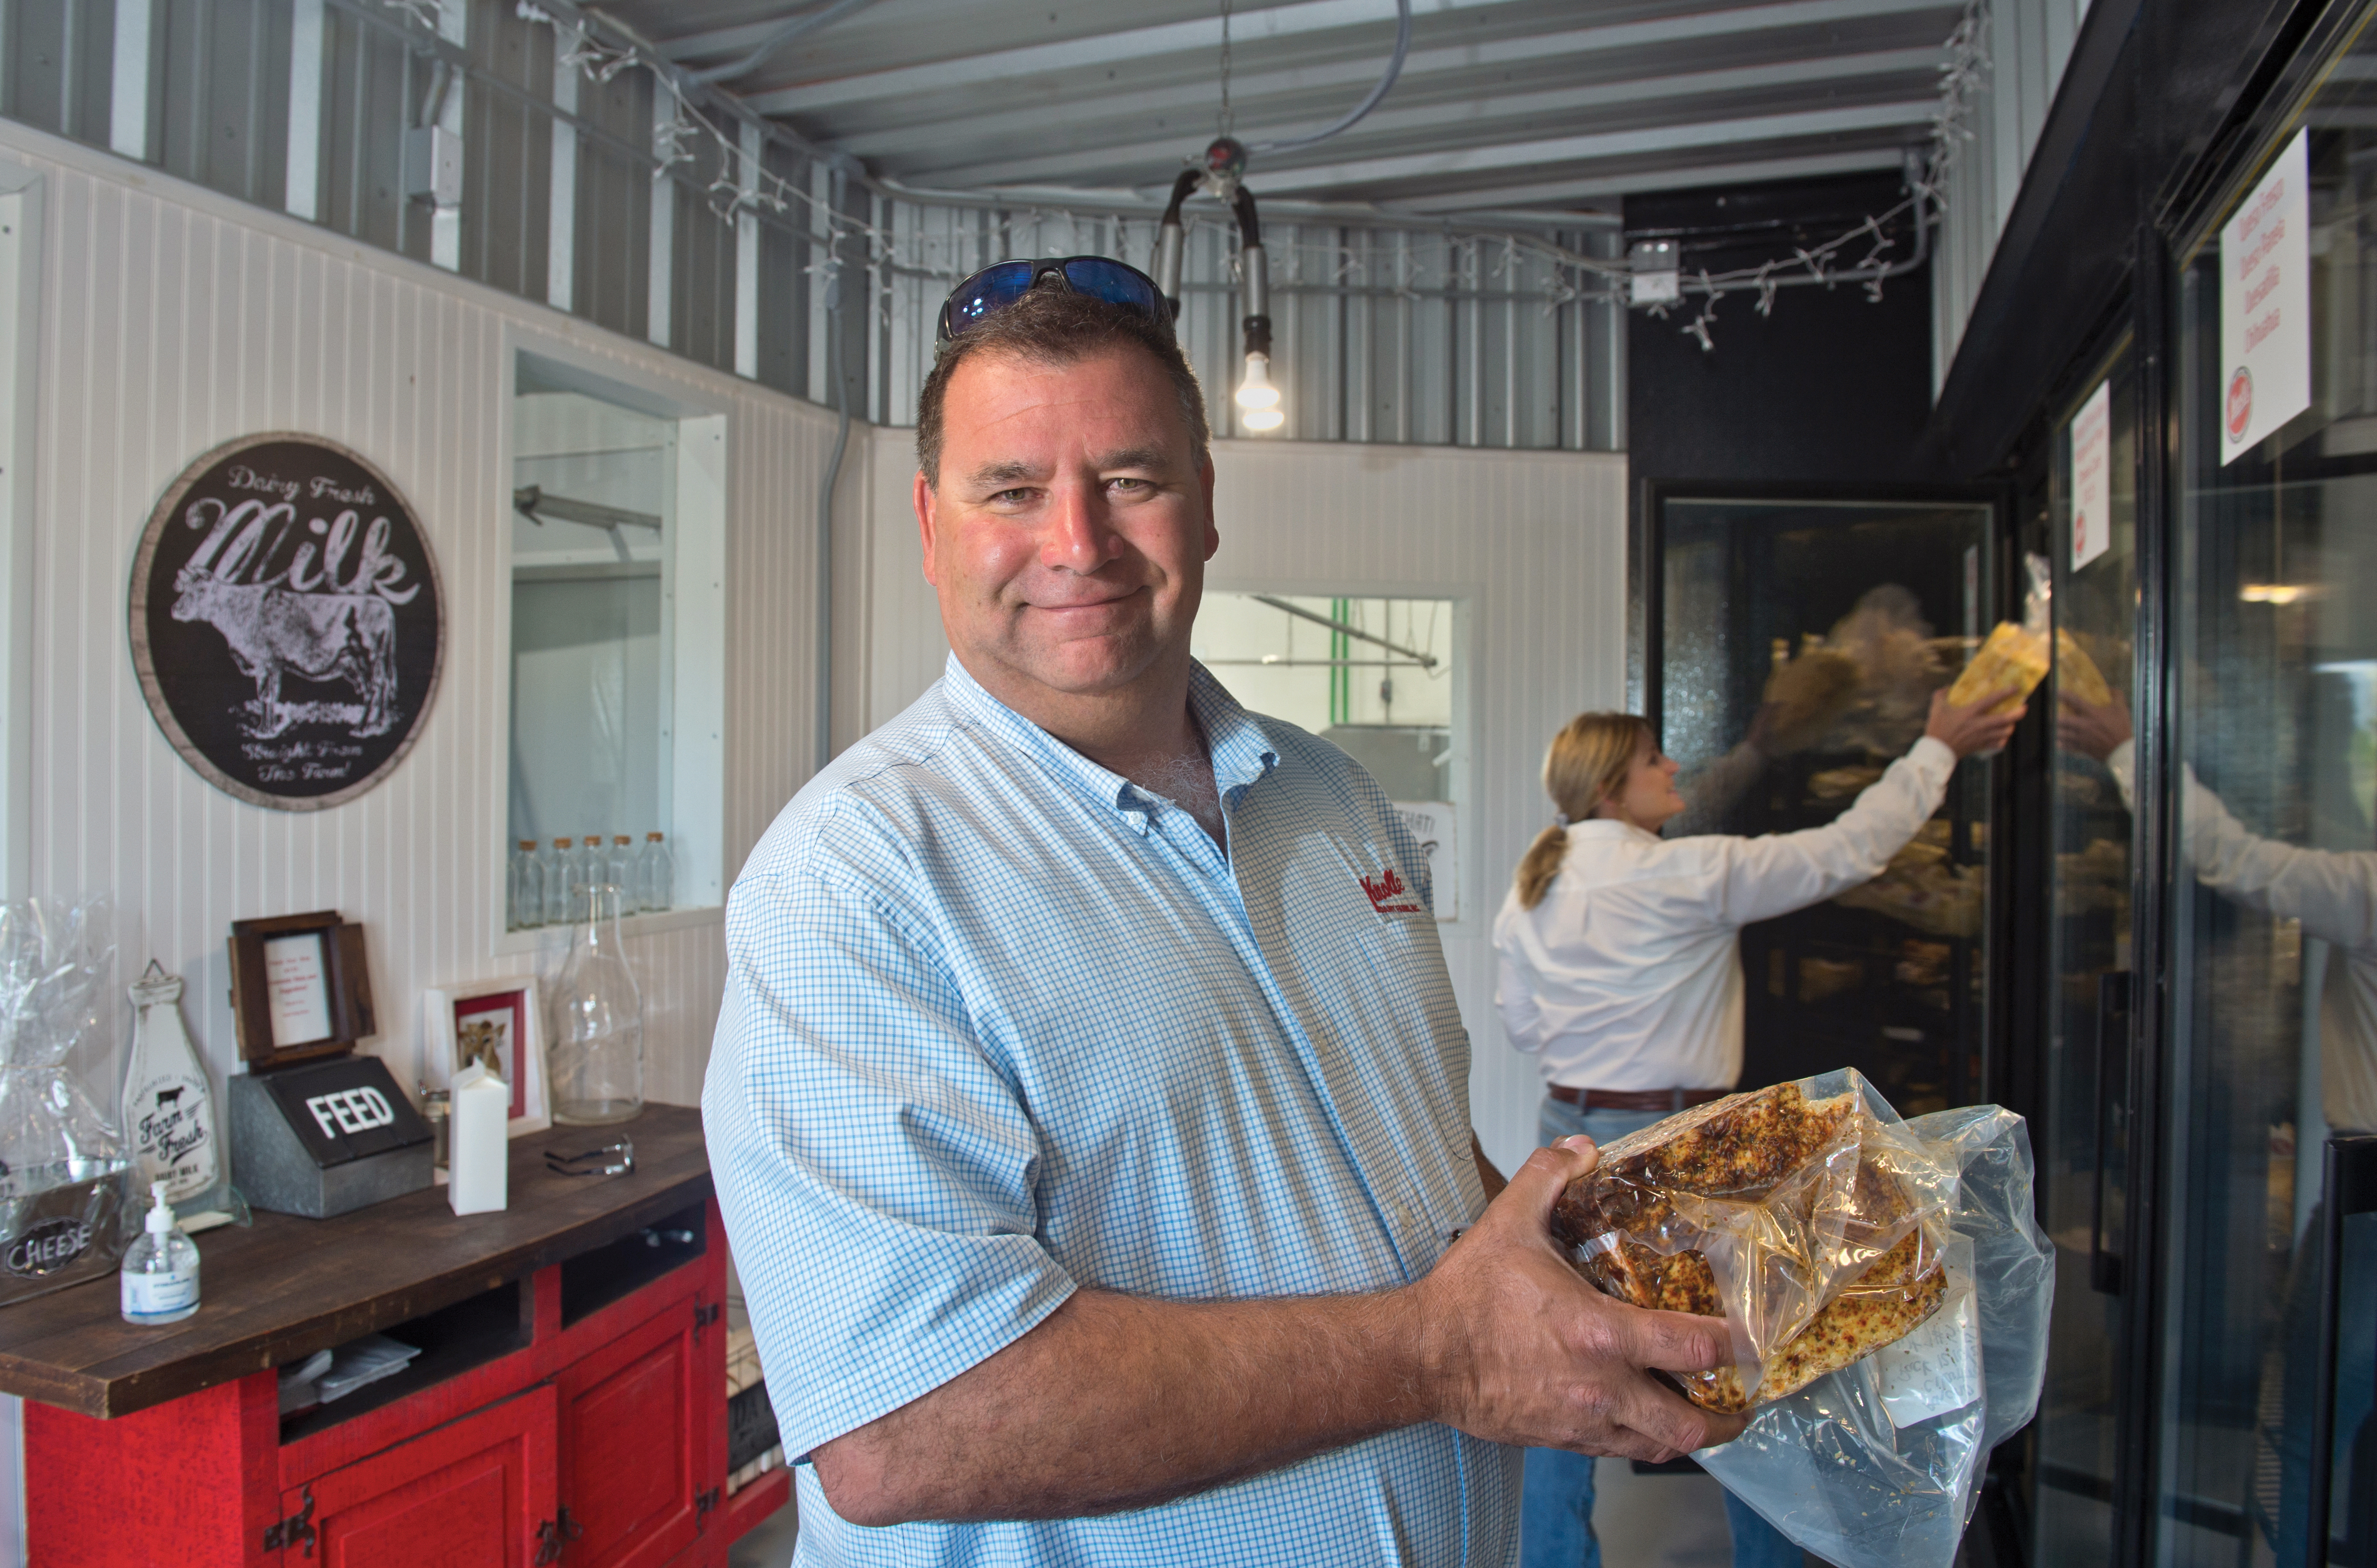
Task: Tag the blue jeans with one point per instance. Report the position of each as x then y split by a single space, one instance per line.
1556 1510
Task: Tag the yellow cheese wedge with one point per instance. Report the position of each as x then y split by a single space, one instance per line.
2077 674
2012 657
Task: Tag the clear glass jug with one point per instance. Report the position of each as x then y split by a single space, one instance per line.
597 1050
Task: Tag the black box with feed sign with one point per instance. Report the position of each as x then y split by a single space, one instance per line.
317 1129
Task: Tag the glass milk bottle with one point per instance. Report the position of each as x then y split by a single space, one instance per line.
619 871
169 1108
597 1050
655 874
556 883
593 867
526 886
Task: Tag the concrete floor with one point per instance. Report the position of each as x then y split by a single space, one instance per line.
769 1545
1658 1521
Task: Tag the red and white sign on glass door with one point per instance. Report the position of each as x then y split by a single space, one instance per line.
2265 304
2090 434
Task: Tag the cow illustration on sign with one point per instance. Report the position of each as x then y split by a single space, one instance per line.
296 619
286 622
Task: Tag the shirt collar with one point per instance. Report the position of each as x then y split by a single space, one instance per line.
1610 828
1240 750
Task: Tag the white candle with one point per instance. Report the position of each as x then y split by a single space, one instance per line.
477 1155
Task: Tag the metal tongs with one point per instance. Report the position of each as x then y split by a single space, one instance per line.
611 1159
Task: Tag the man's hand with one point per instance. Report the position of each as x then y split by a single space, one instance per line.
1966 731
2093 729
1523 1350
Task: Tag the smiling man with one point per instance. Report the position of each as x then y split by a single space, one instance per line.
1093 1143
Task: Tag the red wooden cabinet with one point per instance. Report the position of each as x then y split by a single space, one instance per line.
642 1423
477 1493
574 1417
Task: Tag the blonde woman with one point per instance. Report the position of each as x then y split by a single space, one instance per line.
1620 973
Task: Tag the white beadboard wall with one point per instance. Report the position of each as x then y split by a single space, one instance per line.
1534 543
173 319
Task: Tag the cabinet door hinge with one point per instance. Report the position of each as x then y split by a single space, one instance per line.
296 1528
703 1503
703 1316
552 1535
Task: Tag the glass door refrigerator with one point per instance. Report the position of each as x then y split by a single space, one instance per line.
2260 1325
1792 642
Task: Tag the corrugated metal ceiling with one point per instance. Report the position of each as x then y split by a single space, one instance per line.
1502 105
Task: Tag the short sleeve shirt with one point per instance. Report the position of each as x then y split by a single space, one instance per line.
998 1024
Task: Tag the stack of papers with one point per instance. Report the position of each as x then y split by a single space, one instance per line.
326 1375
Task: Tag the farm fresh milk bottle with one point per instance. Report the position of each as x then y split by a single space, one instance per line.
168 1110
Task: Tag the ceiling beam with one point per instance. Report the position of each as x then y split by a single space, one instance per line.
1688 177
1473 117
1249 29
1601 145
1203 35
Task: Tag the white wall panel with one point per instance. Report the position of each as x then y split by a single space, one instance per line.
1533 542
175 318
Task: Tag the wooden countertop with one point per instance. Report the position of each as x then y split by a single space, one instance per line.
291 1287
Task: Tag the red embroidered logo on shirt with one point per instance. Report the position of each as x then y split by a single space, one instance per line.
1388 894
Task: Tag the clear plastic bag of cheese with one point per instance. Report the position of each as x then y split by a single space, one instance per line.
2016 655
1886 1286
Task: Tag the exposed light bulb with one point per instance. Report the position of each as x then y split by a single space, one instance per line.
1255 391
1263 418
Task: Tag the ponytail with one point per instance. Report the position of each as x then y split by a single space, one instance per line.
1541 864
1587 760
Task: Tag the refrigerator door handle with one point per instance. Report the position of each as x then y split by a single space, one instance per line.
2112 1094
2348 1187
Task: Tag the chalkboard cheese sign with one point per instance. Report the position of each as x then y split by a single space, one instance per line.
287 623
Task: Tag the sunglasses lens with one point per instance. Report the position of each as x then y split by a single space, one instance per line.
1116 283
986 293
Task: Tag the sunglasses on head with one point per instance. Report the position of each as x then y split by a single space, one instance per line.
996 287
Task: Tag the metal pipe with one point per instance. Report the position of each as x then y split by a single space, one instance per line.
1168 242
1426 660
838 357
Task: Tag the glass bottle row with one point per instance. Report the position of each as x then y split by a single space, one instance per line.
542 884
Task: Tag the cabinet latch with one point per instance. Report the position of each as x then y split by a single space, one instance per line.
703 1316
552 1535
297 1527
703 1502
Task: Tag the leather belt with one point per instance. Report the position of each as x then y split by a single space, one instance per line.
1634 1099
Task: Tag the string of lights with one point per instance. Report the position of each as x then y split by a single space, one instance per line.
699 119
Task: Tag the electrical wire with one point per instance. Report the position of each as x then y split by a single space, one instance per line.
1394 69
824 15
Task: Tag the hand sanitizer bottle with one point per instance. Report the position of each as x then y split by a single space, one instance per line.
161 1269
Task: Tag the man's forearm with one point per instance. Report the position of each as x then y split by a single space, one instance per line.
1118 1401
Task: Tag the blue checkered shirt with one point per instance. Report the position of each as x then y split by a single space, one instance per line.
998 1024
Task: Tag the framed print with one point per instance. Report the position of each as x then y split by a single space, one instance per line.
497 1022
300 987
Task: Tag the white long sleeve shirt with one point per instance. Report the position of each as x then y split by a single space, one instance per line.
2332 893
1628 975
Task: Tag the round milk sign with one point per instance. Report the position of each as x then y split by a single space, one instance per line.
286 619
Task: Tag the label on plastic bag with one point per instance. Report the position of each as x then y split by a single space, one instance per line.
1933 1371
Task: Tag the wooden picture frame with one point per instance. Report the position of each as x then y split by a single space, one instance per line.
300 989
505 1016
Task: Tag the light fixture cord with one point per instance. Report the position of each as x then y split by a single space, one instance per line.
1229 118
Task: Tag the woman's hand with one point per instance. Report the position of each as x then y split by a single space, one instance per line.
1972 729
2093 729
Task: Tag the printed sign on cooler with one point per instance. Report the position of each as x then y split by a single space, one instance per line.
2092 476
2265 304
